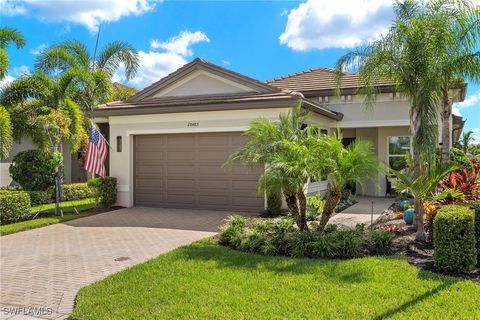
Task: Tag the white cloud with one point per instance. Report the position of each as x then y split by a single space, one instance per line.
225 62
470 101
181 43
89 13
19 71
6 81
155 65
320 24
38 49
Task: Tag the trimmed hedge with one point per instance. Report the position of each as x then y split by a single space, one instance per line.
454 239
476 207
40 197
105 190
77 191
14 206
34 170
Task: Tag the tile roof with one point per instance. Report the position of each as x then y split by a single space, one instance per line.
320 79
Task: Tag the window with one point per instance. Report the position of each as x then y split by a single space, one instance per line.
398 148
119 143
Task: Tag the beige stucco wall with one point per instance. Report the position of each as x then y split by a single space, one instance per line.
121 163
201 83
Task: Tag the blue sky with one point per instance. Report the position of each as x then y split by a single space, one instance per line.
259 39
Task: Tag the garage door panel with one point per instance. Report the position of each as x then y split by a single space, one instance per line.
180 184
185 171
219 184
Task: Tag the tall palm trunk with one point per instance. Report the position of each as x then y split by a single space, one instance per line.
416 124
446 135
333 197
302 219
420 236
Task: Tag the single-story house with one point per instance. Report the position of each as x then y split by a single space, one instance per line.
169 141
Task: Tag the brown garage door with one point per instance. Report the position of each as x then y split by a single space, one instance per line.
184 171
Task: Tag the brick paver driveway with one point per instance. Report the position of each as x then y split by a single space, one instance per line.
42 269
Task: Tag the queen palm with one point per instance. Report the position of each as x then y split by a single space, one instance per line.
102 66
408 56
459 56
7 36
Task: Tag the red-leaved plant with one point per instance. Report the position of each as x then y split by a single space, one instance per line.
465 181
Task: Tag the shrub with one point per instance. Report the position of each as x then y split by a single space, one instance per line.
274 201
454 239
315 206
231 231
466 181
105 190
379 242
40 197
345 243
476 207
77 191
14 206
34 170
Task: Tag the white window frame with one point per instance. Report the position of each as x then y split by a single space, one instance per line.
397 155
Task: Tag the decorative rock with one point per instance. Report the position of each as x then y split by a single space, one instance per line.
408 216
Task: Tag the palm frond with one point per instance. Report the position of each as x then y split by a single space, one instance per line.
8 35
6 135
118 53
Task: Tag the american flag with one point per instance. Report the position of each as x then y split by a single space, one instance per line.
96 153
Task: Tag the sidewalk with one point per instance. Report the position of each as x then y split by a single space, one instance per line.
361 212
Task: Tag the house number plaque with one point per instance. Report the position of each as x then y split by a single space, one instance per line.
192 124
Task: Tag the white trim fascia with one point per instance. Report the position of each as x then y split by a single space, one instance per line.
373 123
187 130
100 120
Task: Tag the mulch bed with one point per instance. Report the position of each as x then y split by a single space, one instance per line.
419 254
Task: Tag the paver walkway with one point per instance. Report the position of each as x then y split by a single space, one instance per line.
361 212
41 270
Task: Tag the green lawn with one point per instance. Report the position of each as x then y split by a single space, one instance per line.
207 281
36 223
68 207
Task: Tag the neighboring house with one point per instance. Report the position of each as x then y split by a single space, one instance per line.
169 141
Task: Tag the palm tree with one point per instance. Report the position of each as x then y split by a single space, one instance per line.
276 146
8 35
42 109
407 56
459 56
356 163
466 141
422 187
74 55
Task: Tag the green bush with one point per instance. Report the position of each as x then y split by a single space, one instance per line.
379 242
274 202
315 206
476 207
105 190
34 170
231 231
77 191
14 206
280 237
454 239
40 197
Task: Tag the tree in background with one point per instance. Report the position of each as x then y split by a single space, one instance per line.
409 56
7 36
43 110
74 55
122 92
